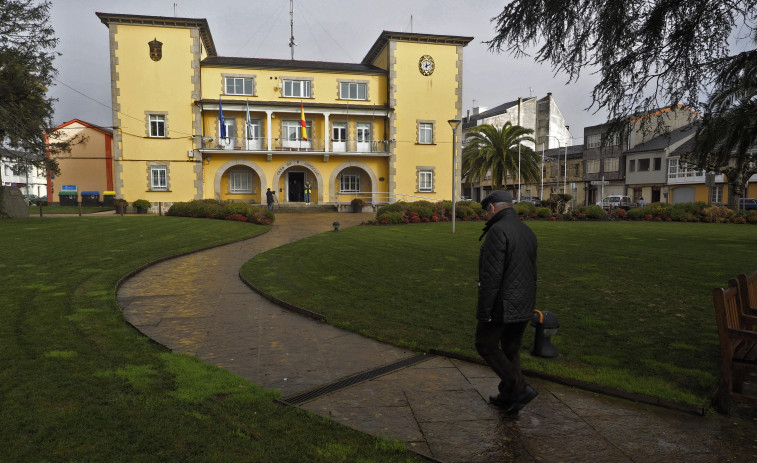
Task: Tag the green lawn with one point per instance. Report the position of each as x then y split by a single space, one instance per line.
78 384
633 298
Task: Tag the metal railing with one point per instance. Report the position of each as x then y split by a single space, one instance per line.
282 144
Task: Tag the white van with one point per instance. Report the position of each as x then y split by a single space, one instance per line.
616 201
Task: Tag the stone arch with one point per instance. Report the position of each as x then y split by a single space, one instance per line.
365 167
300 163
233 163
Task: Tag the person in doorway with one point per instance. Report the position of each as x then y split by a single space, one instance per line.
642 203
269 199
506 298
308 190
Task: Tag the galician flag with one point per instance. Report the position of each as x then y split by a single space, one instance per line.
302 123
220 119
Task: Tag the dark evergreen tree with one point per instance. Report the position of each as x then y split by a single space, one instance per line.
652 54
27 43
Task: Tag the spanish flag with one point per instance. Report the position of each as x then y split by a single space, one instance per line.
302 122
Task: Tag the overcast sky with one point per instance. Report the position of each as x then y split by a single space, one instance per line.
325 30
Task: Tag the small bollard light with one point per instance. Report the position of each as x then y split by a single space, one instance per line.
546 325
336 226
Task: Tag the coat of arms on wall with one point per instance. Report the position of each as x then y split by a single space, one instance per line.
156 49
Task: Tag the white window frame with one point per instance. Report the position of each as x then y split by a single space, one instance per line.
159 178
592 166
611 164
425 133
349 182
594 141
240 182
716 194
289 128
157 124
426 181
353 90
247 86
293 88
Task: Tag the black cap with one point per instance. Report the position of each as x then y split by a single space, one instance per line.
497 196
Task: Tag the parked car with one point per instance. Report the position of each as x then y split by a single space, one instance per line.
32 199
748 204
531 199
616 201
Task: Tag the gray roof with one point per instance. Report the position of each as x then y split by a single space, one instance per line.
268 63
665 140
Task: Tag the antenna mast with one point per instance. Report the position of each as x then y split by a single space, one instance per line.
292 43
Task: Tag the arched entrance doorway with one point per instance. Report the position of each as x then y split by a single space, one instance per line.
291 178
240 180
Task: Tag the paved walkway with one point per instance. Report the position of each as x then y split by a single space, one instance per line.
197 304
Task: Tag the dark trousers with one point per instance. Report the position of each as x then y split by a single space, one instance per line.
499 345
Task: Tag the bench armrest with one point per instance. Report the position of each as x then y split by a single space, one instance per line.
742 334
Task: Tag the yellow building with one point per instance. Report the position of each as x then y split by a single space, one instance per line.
195 125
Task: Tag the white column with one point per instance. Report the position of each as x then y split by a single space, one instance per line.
326 131
269 129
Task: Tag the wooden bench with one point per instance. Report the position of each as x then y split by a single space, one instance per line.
747 285
738 346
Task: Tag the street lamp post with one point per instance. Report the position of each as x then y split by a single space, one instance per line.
557 184
454 123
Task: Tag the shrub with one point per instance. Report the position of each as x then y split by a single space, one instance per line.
637 213
595 212
422 208
477 209
464 212
717 214
543 212
141 204
237 217
394 207
524 207
236 208
260 215
391 218
751 217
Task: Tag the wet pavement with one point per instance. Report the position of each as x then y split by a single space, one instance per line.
437 406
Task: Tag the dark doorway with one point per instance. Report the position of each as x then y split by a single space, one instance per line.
296 181
655 194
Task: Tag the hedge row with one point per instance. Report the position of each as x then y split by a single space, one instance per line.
426 211
660 212
228 210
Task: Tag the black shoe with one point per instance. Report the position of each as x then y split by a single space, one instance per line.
528 394
498 401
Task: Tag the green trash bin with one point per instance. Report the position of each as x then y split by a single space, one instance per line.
68 198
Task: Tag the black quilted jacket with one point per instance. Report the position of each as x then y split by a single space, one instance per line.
507 270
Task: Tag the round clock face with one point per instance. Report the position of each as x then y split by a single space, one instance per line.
426 65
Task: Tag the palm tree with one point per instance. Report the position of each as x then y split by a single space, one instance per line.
495 150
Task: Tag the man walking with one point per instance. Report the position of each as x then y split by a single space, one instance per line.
269 199
506 298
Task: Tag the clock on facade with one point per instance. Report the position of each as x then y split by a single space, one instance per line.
426 65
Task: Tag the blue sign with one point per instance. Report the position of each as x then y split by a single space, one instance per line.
68 188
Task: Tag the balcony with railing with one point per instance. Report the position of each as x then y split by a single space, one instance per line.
316 145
